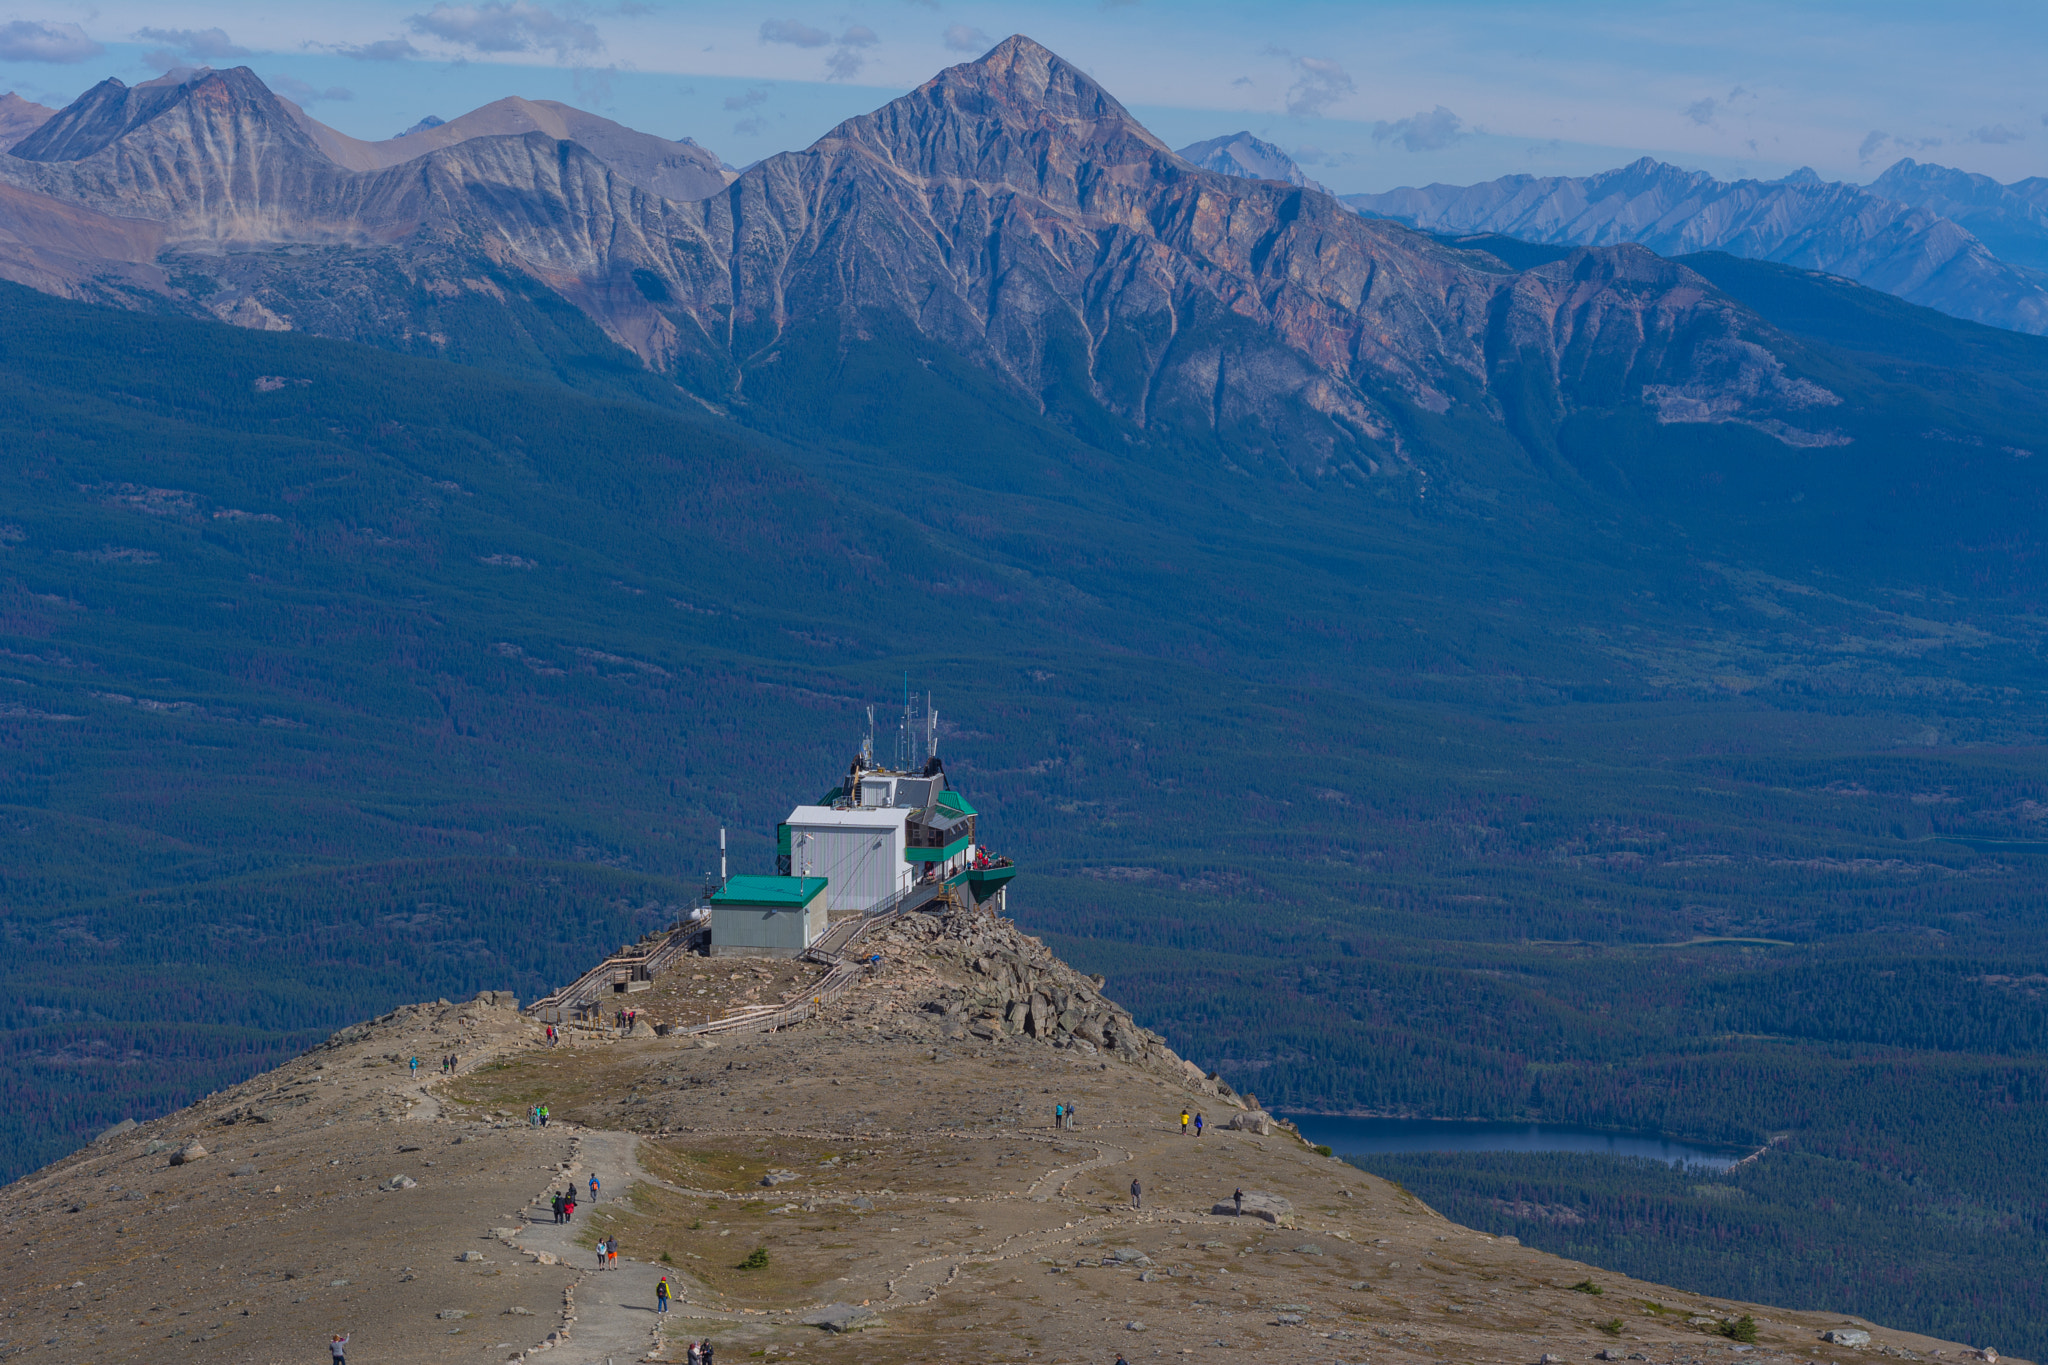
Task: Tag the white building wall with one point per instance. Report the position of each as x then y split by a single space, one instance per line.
863 865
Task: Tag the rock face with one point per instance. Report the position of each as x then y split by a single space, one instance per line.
1008 213
1876 236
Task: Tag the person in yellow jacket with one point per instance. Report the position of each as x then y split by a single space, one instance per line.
1185 1118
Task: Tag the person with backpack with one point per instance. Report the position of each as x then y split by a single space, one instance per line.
593 1187
661 1296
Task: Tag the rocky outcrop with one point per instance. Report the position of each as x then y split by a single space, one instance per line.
1885 236
1002 983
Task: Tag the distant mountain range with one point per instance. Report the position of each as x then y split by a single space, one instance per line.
1961 243
1008 215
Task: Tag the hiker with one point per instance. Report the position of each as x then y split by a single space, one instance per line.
593 1187
551 1035
1059 1116
555 1203
696 1354
1237 1199
1184 1123
661 1296
1070 1115
1137 1196
707 1353
543 1116
611 1255
601 1247
415 1066
568 1208
338 1347
1198 1125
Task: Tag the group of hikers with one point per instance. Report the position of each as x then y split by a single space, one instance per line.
1063 1115
537 1116
447 1065
608 1256
1185 1119
627 1018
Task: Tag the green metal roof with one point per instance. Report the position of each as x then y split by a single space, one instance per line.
793 892
953 800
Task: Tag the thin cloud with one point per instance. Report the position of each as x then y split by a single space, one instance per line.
1422 132
508 26
751 127
200 44
31 40
301 93
748 100
1995 134
1702 111
1318 83
383 50
963 38
791 32
846 59
1877 141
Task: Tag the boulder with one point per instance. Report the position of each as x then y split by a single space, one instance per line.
470 1257
107 1134
190 1152
1846 1336
400 1182
642 1029
1252 1121
839 1317
1270 1208
774 1178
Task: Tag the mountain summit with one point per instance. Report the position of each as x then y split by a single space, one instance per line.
1253 158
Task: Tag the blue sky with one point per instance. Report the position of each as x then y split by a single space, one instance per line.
1367 95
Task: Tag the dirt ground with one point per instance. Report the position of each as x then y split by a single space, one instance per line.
874 1159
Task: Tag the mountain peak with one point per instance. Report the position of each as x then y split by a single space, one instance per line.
1022 76
111 111
1252 158
20 117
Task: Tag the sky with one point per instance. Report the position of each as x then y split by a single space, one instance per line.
1366 95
